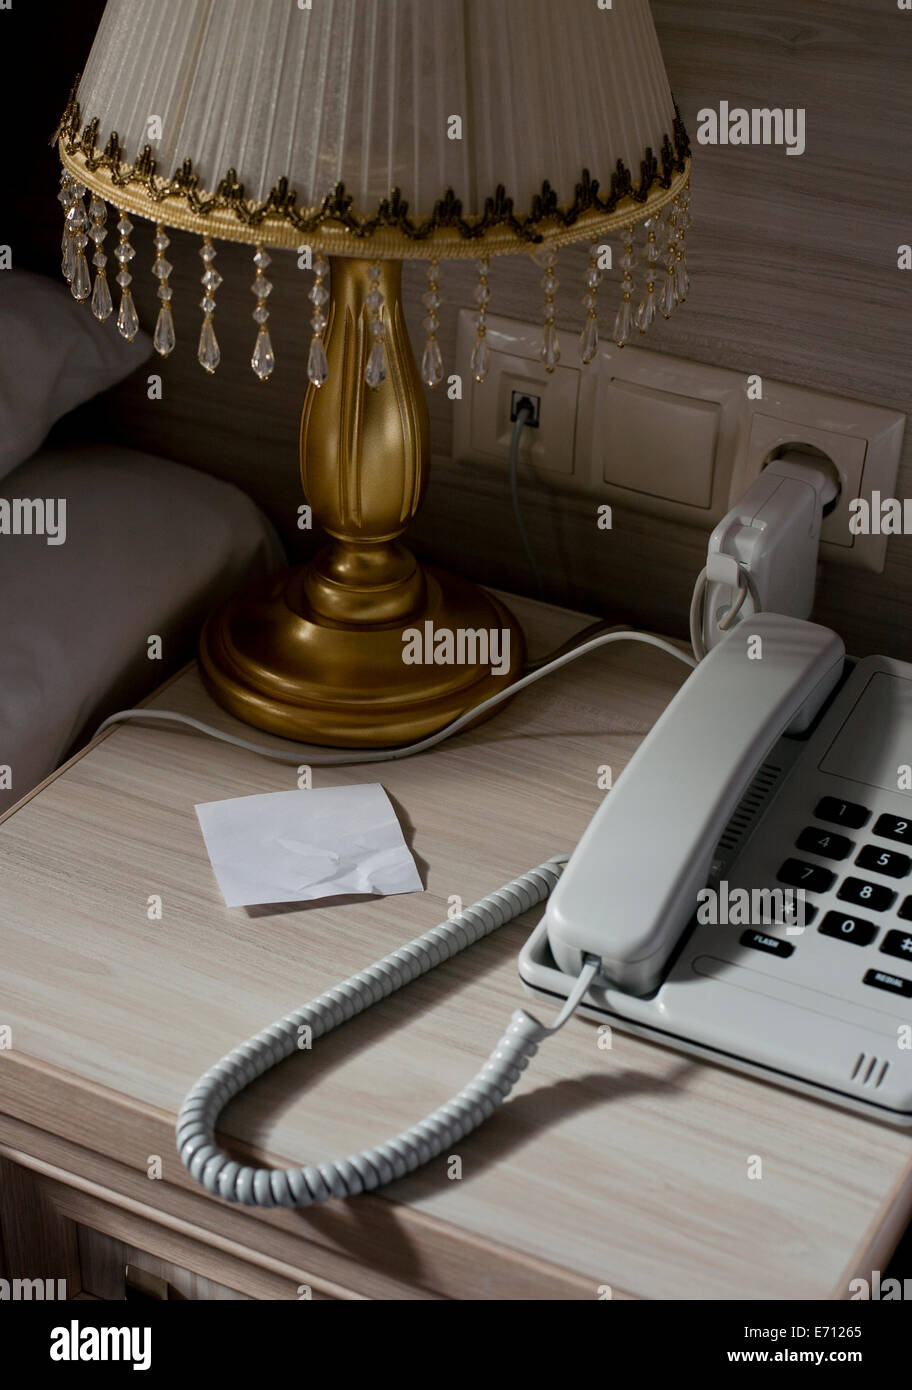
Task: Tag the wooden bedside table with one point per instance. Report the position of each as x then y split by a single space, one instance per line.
624 1168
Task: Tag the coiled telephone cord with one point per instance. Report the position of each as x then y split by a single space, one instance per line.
413 1147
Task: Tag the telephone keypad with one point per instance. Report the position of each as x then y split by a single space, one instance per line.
847 813
884 861
854 929
875 896
897 943
800 874
826 843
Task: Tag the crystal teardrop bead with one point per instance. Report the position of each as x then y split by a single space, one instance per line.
164 338
431 364
81 284
481 358
102 307
127 317
645 314
589 341
682 280
68 264
668 298
317 365
550 348
208 351
623 324
375 371
263 359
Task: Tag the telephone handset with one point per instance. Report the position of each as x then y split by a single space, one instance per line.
743 893
631 884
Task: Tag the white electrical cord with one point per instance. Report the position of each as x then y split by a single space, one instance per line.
384 755
371 1168
746 586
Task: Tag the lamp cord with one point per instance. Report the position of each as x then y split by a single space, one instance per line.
412 1148
383 755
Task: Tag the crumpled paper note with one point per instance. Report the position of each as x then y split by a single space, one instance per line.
296 846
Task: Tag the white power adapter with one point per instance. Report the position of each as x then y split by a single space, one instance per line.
762 556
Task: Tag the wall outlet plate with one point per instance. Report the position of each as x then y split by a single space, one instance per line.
667 436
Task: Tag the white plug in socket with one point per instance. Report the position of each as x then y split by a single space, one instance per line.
769 541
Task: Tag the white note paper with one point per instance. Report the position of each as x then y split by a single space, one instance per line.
296 846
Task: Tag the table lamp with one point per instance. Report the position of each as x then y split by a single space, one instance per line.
356 134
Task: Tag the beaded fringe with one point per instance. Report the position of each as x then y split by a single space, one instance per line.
655 282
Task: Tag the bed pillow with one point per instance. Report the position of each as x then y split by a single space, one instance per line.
116 546
54 354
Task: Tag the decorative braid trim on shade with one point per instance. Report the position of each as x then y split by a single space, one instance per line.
335 227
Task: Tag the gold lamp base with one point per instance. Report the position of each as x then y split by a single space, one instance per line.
276 664
320 654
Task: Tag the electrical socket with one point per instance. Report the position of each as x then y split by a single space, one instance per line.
663 435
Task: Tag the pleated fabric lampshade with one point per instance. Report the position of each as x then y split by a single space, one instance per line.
392 128
362 133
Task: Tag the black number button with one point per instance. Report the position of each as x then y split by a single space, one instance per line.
842 812
894 984
873 895
897 943
894 828
906 910
854 929
826 843
884 861
802 875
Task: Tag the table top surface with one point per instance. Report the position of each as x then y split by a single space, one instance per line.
627 1167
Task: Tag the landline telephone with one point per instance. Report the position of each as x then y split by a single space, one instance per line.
770 770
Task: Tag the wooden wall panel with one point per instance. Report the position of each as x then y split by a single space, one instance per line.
794 276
